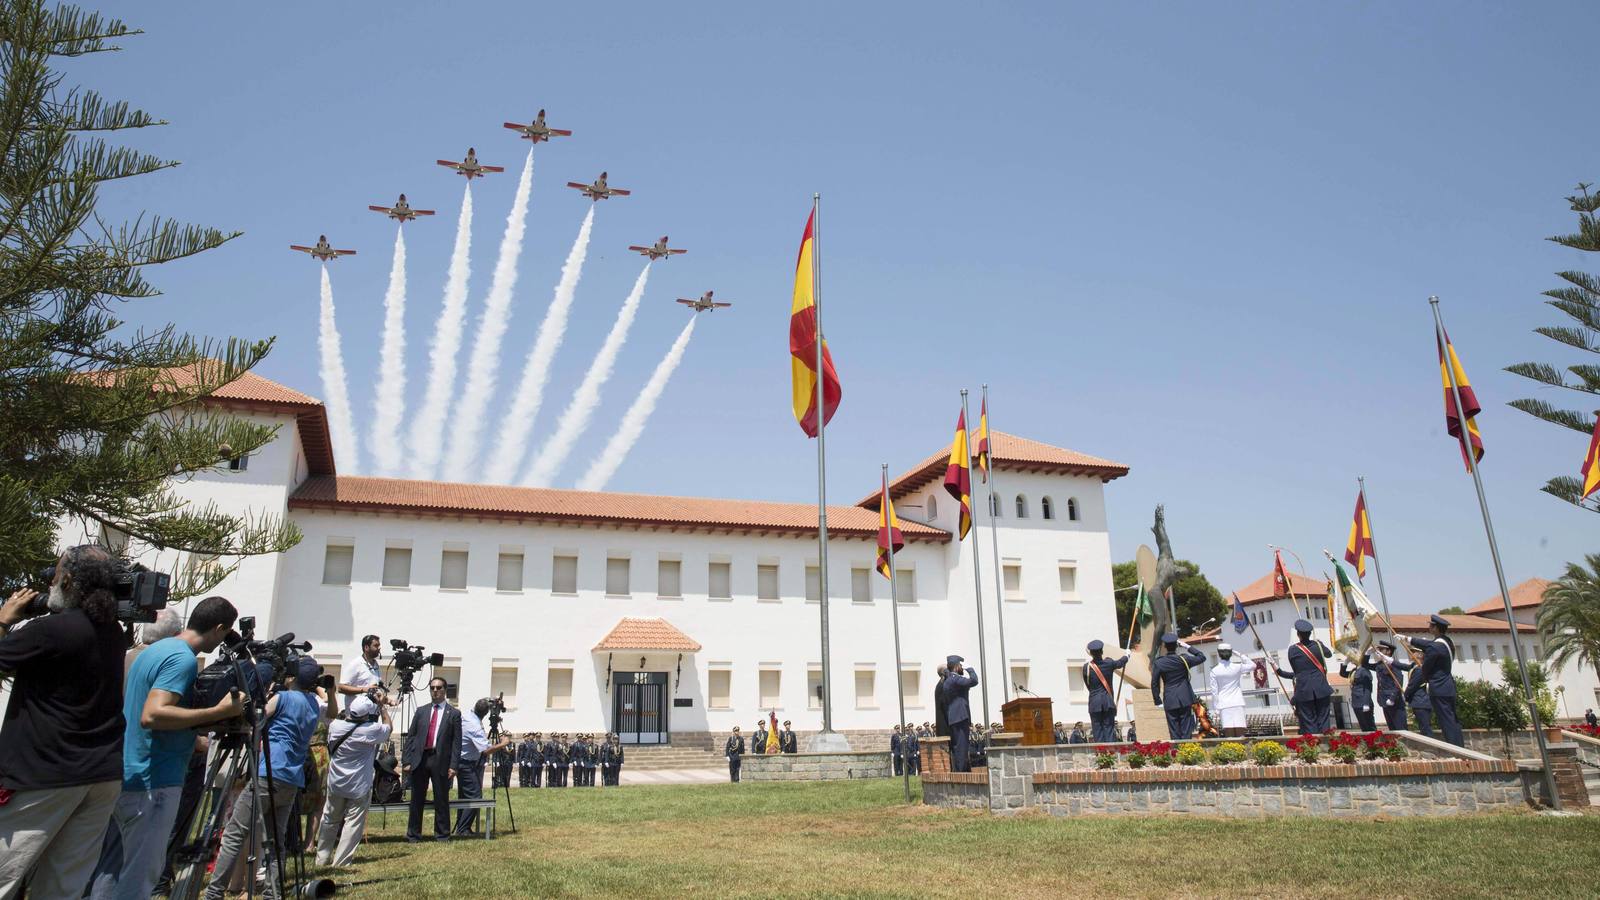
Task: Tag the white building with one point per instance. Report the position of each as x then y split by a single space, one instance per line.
650 615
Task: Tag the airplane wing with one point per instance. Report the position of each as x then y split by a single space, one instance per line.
720 305
345 252
382 209
619 192
515 126
574 184
300 248
446 162
640 249
422 212
677 251
493 168
561 131
684 302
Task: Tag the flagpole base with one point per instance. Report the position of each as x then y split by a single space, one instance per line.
827 742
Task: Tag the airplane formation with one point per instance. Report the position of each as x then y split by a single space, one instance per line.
469 167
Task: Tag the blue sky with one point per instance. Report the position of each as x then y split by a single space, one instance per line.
1194 238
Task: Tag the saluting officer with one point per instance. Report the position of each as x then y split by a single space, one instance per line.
1313 697
1387 671
1169 684
957 712
734 751
1360 692
1097 674
1438 654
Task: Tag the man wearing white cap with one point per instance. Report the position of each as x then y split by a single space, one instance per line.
1227 691
353 741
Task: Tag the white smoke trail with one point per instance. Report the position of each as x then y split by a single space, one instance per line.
601 470
509 447
389 400
584 400
483 362
427 429
333 383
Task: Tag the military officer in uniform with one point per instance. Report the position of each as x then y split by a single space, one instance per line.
734 751
1097 674
896 754
593 761
913 751
1387 672
1313 697
758 740
504 758
578 756
787 742
957 712
1360 692
1438 654
536 759
1170 686
551 752
618 757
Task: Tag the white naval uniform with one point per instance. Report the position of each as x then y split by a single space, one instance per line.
1227 694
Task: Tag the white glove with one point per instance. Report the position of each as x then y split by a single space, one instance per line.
1183 645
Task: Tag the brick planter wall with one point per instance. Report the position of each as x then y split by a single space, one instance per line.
816 766
956 790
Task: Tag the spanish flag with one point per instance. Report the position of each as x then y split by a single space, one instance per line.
1591 462
958 475
774 745
889 538
1452 415
1359 547
803 345
983 437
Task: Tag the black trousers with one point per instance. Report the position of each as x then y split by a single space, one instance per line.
1181 723
1395 716
1445 709
1103 726
469 786
1366 719
422 777
734 762
899 763
1424 721
958 747
1313 714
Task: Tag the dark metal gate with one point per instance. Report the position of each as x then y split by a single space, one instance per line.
639 707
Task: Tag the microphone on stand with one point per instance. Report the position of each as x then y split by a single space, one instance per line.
1022 690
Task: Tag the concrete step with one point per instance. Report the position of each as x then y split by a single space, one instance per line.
1591 780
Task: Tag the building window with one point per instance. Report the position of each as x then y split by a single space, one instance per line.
558 695
239 463
337 560
813 584
866 689
1012 572
1472 650
1269 617
1068 574
905 585
1019 677
669 578
1046 508
1072 509
933 507
994 505
860 585
1076 688
453 570
617 576
721 681
911 687
563 574
503 680
771 681
813 687
452 678
508 573
767 581
397 567
1022 507
720 581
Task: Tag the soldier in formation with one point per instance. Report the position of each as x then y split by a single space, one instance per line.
1433 678
1361 692
734 751
1313 697
1390 676
758 740
787 741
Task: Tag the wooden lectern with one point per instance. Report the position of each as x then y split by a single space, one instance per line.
1030 717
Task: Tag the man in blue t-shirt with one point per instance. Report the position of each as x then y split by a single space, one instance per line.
290 720
156 744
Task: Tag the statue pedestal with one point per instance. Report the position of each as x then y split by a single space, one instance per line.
1149 719
830 742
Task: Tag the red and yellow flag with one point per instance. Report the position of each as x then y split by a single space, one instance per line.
803 346
1591 462
983 439
774 744
1359 547
958 475
889 537
1281 586
1469 400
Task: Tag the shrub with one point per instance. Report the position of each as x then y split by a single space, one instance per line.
1104 758
1136 758
1538 679
1394 751
1345 747
1191 754
1268 753
1480 704
1306 747
1228 753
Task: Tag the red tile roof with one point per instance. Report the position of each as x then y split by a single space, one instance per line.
1527 594
1260 590
1011 454
554 505
1418 624
647 634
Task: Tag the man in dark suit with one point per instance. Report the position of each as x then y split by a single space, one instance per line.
1438 652
1313 697
1097 674
1169 684
958 715
432 757
941 725
895 755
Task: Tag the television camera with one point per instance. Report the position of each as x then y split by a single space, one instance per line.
409 660
248 665
139 592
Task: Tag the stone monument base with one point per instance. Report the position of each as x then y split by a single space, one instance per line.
1149 719
827 742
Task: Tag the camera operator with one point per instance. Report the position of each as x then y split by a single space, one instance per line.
361 672
158 742
475 751
60 746
353 742
290 718
432 757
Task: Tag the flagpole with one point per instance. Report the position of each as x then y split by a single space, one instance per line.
822 461
894 608
1290 585
993 490
977 577
1267 660
1464 425
1377 567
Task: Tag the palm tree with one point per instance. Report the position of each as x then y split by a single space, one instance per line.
1569 618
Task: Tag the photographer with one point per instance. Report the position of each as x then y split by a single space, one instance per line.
475 749
157 744
361 672
60 746
290 718
353 741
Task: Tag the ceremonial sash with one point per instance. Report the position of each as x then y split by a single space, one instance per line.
1314 661
1100 675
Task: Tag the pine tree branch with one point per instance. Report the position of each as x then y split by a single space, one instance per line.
1566 418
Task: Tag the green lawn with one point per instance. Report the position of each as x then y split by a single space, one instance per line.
856 839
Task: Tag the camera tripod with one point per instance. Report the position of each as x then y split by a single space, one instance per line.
494 792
